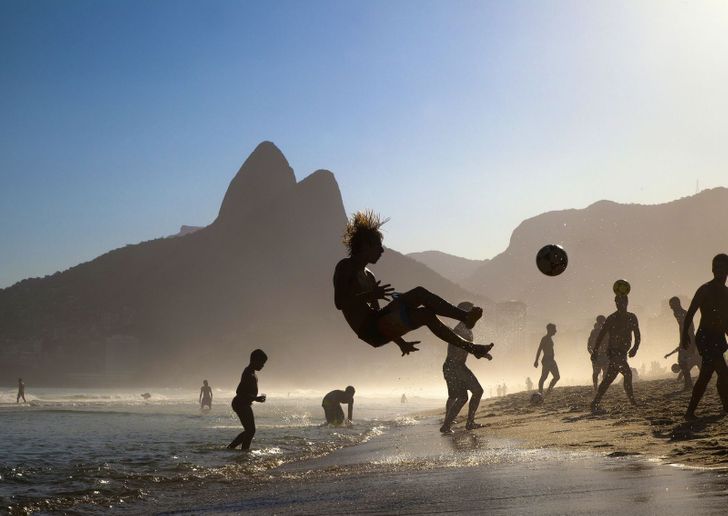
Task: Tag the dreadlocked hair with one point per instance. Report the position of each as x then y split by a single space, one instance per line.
361 227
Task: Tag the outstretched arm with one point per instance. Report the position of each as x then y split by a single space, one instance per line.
673 351
538 353
200 400
351 410
406 347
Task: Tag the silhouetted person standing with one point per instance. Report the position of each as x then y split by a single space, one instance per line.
21 391
460 379
357 293
602 361
332 406
712 301
548 362
205 395
245 395
619 326
529 384
686 358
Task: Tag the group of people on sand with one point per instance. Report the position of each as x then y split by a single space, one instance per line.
359 296
704 349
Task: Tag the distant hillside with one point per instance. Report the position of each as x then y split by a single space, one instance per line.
452 267
173 310
662 250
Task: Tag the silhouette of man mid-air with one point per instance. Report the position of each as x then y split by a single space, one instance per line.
357 294
245 395
21 391
686 358
602 362
620 326
712 301
332 406
460 379
548 362
205 395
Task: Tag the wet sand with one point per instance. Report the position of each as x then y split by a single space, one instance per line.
655 428
415 470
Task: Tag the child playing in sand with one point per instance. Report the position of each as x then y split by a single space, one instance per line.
245 395
712 301
620 326
357 293
460 379
548 362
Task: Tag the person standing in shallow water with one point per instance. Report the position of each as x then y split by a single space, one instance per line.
21 391
205 396
712 301
548 362
332 406
460 379
357 294
245 395
620 326
686 358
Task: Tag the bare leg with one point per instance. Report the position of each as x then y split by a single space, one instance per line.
455 409
627 374
555 377
609 377
722 385
706 372
420 296
477 394
544 375
595 375
426 317
685 372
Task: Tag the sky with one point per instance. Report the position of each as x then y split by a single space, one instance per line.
121 121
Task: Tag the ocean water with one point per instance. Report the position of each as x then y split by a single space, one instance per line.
90 451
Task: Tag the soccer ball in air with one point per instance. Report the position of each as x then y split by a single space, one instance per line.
621 287
552 260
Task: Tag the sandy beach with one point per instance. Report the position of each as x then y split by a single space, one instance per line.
655 428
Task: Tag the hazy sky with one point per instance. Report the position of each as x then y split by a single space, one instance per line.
120 121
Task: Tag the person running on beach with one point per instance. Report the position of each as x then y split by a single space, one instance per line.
548 362
21 391
245 395
357 294
619 326
332 406
602 362
205 396
460 379
712 301
686 358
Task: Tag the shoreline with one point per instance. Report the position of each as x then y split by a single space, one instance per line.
654 429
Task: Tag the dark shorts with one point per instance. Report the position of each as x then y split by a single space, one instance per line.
206 401
378 329
710 344
459 380
333 412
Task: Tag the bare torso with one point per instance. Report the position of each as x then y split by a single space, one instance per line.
713 304
350 285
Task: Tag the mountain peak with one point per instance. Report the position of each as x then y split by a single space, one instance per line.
264 175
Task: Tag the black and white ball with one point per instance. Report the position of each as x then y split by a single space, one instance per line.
552 260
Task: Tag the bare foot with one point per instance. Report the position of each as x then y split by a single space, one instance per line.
445 429
473 315
472 425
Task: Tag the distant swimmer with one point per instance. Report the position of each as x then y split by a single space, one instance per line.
145 395
686 358
712 301
602 361
205 396
245 395
21 391
357 294
548 362
403 399
619 326
460 379
332 406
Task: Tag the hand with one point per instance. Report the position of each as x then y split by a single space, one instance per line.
535 364
632 352
383 291
667 356
260 399
407 347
